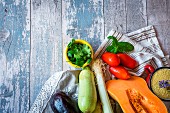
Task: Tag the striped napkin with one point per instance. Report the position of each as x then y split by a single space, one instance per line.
147 51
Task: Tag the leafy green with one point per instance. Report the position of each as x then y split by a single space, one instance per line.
114 40
119 47
78 53
125 47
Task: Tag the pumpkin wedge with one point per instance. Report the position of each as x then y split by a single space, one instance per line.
134 96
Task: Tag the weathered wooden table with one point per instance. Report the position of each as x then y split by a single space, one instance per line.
34 33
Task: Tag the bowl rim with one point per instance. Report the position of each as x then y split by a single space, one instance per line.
81 41
151 79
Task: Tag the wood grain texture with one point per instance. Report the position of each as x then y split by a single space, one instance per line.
136 16
125 15
46 43
14 56
115 15
82 19
159 15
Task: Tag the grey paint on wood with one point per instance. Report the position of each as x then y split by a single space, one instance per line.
46 43
14 56
115 15
125 16
136 14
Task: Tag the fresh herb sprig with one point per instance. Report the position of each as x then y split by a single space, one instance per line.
79 54
119 47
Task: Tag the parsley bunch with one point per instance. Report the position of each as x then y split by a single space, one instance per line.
78 53
119 47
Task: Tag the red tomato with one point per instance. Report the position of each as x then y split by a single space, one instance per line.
111 59
127 61
119 72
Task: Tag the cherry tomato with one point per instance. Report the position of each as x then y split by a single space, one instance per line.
127 61
111 59
119 72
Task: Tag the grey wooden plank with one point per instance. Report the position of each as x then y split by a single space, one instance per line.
115 15
136 16
82 19
46 43
159 15
14 56
125 15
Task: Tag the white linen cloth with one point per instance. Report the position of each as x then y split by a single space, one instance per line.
147 51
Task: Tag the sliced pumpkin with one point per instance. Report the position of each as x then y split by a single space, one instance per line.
134 96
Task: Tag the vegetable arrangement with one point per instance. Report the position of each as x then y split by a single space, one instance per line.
133 94
117 60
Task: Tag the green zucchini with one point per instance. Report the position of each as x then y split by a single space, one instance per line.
87 96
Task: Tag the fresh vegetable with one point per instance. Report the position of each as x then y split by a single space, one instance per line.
97 67
79 53
149 69
111 59
87 96
119 72
119 47
62 103
134 96
127 61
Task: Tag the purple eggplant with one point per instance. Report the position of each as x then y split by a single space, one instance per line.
62 103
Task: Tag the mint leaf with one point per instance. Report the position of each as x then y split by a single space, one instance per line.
119 47
125 47
112 49
114 40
